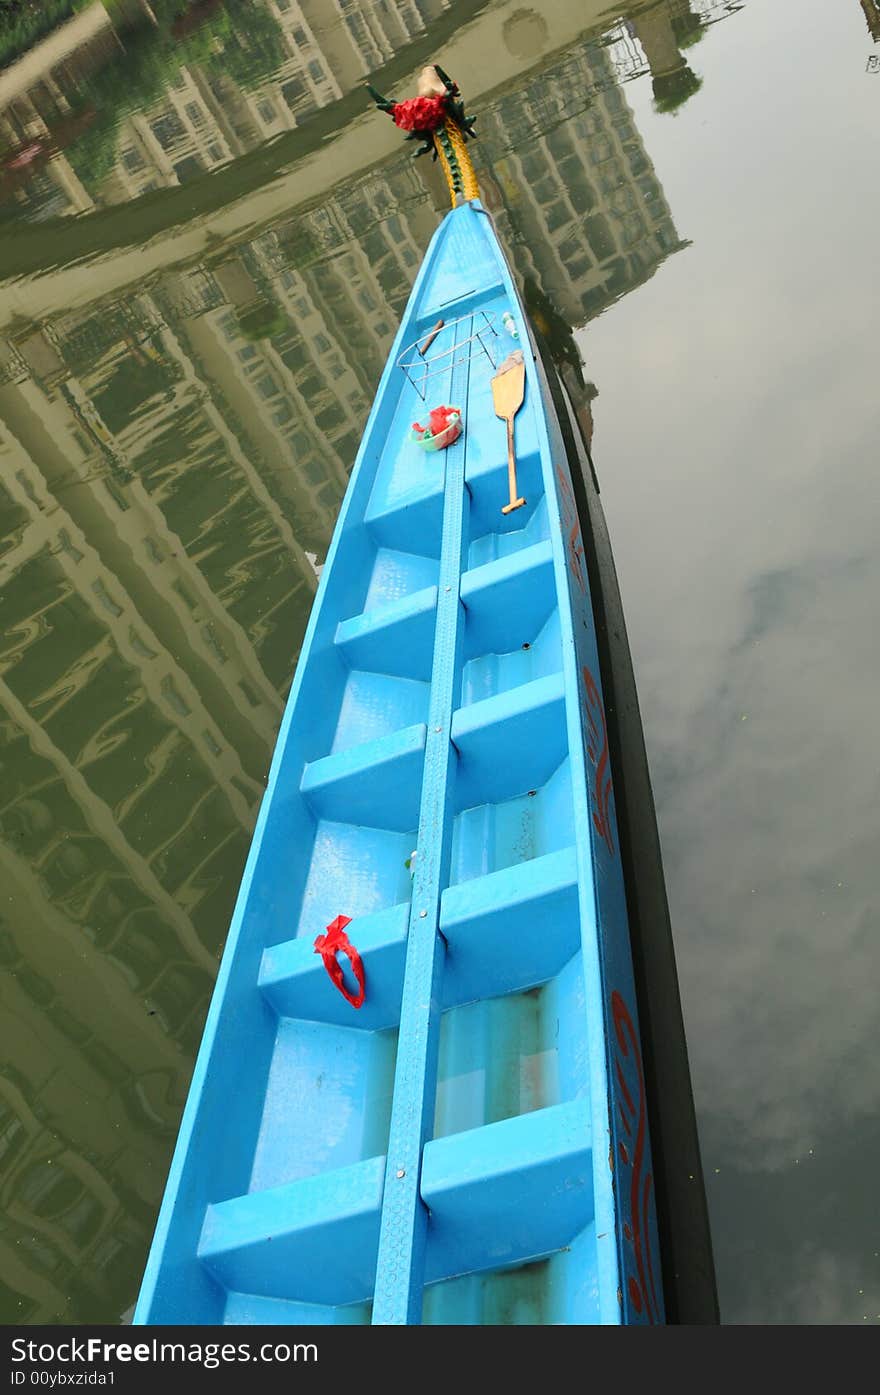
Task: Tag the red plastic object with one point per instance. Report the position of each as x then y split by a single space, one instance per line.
444 427
337 942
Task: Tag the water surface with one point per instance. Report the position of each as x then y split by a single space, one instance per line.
206 241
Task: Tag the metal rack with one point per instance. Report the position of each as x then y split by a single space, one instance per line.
420 367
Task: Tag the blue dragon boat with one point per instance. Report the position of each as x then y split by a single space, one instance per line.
423 1094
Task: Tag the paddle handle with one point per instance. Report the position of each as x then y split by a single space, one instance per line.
426 343
515 502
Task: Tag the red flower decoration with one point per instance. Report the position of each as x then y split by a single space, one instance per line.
420 113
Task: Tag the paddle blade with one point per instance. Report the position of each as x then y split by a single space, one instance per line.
509 385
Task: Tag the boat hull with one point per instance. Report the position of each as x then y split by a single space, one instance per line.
470 1142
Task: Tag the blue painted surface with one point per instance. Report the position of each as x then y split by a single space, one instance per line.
469 1146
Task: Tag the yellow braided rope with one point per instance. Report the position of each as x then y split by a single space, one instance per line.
470 187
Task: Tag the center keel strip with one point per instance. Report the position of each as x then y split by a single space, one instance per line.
404 1223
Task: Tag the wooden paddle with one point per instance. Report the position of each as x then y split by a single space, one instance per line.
508 390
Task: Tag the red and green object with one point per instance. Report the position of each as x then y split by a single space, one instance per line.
444 427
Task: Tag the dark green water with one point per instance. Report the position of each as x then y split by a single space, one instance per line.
206 241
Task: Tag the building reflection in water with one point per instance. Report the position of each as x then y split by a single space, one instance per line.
172 458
